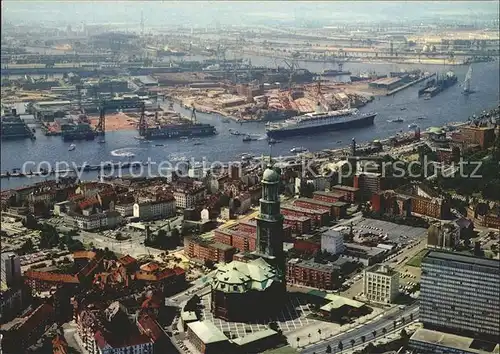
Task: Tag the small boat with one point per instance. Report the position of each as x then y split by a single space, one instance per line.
159 145
403 108
102 141
398 120
273 141
129 154
234 132
72 147
247 138
184 138
339 141
197 143
412 125
421 118
298 149
246 157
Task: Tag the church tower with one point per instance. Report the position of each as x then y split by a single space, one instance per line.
270 221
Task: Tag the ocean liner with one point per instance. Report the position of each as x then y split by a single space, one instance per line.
319 122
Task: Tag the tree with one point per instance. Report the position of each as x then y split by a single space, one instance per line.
374 334
328 349
341 346
352 342
363 339
319 333
384 331
27 246
394 323
309 337
298 341
403 334
403 319
411 317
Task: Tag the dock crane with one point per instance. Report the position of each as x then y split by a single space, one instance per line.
100 128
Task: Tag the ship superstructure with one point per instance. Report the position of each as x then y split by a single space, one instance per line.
320 121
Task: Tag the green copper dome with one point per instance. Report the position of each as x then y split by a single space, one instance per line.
270 175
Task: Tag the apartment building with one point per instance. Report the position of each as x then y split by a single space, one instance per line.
155 209
307 273
188 198
380 284
198 248
87 221
460 294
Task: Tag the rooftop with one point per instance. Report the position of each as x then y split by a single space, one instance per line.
240 277
381 269
207 332
345 188
460 344
255 336
337 302
462 258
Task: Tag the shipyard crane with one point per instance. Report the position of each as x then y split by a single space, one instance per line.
100 128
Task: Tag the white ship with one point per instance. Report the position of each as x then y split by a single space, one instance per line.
319 122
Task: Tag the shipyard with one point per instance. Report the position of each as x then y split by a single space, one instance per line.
250 177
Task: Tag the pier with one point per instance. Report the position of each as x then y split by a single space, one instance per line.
84 168
400 88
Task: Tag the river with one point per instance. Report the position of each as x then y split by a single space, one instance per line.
448 106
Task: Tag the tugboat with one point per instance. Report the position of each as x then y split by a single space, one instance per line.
72 147
247 138
246 157
234 132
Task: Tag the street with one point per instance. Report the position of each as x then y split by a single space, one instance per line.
367 329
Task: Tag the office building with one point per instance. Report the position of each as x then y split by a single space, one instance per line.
381 284
460 294
332 241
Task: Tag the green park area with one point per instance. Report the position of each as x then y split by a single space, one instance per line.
417 259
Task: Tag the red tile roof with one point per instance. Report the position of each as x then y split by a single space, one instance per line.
51 277
127 260
150 327
84 254
88 202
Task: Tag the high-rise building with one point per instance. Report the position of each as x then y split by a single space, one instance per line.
460 294
270 221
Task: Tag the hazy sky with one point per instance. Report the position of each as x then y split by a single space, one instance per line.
193 13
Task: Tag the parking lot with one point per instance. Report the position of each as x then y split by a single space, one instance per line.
292 317
400 234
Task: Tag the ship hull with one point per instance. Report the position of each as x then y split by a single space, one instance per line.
76 136
152 134
358 123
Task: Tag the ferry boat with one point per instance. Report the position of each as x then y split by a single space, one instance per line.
320 122
246 157
298 149
397 120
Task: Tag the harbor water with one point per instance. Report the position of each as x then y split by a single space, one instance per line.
448 106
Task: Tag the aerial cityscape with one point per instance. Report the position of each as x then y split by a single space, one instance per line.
250 177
